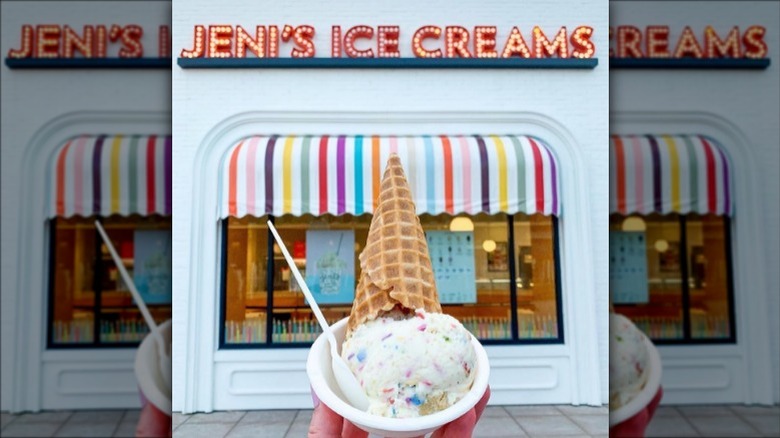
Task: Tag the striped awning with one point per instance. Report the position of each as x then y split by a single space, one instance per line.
338 175
111 174
669 174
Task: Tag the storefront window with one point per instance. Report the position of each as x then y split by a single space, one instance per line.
89 303
536 278
490 307
489 316
244 277
693 247
709 276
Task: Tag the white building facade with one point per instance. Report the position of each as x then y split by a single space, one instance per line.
216 109
738 109
43 110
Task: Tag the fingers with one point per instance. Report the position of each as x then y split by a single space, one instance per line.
463 427
153 423
482 403
325 423
352 431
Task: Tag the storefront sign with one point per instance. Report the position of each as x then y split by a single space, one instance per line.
152 266
628 267
281 46
452 256
654 46
330 265
99 45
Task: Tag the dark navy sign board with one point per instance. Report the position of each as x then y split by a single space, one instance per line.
69 63
689 63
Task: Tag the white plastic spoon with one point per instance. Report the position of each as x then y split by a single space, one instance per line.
347 381
164 356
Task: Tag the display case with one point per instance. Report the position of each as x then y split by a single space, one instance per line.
90 306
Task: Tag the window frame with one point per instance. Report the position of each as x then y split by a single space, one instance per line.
270 345
687 338
97 311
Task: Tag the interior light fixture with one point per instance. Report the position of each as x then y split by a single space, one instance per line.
461 223
634 223
661 245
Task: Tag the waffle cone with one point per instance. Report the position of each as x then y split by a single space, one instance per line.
395 265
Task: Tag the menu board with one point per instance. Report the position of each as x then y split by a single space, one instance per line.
152 265
330 265
628 267
452 255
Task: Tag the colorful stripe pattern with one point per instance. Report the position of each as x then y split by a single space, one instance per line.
111 174
340 174
669 174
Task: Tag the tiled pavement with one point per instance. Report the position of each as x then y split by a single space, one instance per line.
507 421
114 423
714 421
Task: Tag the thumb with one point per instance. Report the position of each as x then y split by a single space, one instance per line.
463 427
324 422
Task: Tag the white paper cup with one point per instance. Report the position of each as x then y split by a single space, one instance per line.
318 367
147 370
646 395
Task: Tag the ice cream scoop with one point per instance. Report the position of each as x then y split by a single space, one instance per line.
325 386
628 360
411 366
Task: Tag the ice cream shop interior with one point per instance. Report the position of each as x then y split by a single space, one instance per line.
71 157
693 192
498 160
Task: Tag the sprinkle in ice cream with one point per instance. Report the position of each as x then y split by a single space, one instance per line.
411 366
